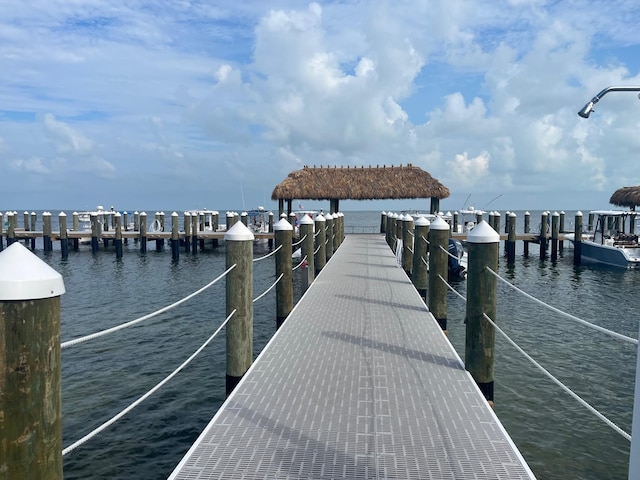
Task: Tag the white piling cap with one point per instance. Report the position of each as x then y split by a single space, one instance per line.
239 232
422 222
439 224
320 218
306 220
282 225
483 233
408 218
23 276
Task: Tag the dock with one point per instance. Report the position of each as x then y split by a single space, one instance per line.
360 382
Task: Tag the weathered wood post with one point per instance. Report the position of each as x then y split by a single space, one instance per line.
420 256
270 241
244 218
1 228
478 217
555 218
194 233
64 237
143 232
407 244
383 222
125 226
136 225
577 239
320 252
175 236
11 229
398 230
76 228
483 245
30 367
560 242
306 233
186 222
25 217
160 241
527 229
95 232
544 230
438 267
511 238
496 221
456 221
239 297
216 220
329 235
34 221
46 231
117 241
387 232
284 289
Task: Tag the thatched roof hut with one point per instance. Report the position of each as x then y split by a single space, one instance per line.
626 197
359 183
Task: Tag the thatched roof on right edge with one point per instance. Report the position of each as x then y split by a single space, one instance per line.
359 183
626 197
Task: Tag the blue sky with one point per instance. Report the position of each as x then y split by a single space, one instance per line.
149 105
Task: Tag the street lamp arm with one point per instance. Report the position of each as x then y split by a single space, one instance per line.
588 108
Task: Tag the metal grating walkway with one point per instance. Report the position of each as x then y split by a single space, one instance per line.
359 383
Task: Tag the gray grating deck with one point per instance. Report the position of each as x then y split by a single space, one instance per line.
359 383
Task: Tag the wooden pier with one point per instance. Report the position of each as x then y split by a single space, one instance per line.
359 382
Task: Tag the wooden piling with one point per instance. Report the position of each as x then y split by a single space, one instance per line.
143 232
527 229
388 229
398 230
283 231
270 240
329 235
511 238
383 222
76 227
1 234
160 241
438 267
244 218
239 297
407 244
320 252
577 239
46 232
117 242
187 231
11 229
64 237
306 249
194 233
483 245
30 367
175 236
420 256
544 229
555 223
560 242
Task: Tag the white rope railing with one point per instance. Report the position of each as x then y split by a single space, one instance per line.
268 254
611 333
117 417
299 264
558 382
448 253
317 249
317 233
451 288
298 242
95 335
422 237
268 289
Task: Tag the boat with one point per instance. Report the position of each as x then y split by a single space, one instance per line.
468 219
613 240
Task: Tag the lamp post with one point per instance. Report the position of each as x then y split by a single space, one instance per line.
588 108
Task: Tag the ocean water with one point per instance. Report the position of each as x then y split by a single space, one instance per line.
558 437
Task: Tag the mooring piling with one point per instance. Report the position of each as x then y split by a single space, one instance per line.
306 233
320 252
420 256
577 239
239 297
284 289
407 244
30 366
438 267
64 240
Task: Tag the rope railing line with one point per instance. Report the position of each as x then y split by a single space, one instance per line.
558 382
317 233
410 249
448 253
317 249
422 237
268 289
451 288
268 254
411 233
299 241
117 417
424 261
611 333
299 264
107 331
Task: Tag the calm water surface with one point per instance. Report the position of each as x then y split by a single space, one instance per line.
558 437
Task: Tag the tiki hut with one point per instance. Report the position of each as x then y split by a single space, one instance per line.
359 183
626 197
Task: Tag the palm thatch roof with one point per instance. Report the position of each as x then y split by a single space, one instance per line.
626 197
359 183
